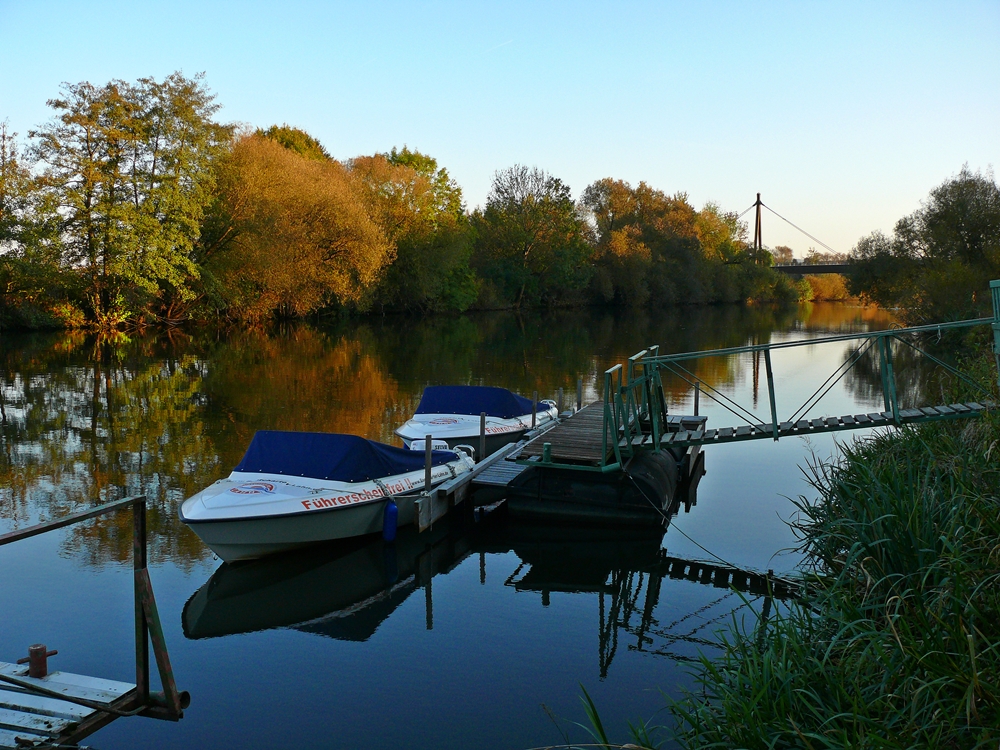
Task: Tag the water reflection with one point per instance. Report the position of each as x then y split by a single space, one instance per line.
343 590
346 590
84 420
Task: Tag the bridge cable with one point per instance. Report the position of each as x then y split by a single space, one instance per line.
752 205
800 229
846 365
754 419
948 368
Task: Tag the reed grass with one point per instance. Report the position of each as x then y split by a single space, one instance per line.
898 643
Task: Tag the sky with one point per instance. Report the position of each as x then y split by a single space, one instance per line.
842 115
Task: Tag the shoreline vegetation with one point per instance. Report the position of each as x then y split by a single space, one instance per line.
133 207
896 643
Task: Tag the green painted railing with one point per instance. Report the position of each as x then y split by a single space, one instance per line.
635 405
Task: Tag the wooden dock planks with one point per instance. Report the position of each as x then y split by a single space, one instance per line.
577 439
29 720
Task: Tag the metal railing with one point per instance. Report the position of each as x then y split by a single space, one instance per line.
635 405
170 703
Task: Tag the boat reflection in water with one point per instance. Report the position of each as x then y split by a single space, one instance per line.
346 589
343 589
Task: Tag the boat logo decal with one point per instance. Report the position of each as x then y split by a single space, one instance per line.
254 488
443 420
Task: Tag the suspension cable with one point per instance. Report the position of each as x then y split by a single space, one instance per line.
814 239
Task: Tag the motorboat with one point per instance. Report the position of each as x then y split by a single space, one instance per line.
297 488
452 413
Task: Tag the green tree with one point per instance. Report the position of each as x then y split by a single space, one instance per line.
938 260
530 240
420 208
296 140
130 168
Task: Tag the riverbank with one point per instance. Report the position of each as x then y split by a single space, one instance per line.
898 644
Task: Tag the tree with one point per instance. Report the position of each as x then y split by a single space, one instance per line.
937 262
287 235
783 255
530 238
130 168
296 140
420 209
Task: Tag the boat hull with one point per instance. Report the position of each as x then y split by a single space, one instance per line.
250 538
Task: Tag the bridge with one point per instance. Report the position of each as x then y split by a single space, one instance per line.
633 416
801 269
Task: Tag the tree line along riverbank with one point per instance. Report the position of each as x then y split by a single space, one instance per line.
132 206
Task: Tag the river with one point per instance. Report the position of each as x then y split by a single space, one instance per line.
460 640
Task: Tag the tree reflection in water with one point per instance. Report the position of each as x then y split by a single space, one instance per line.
86 419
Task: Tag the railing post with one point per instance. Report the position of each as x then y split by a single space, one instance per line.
482 435
995 292
579 394
770 393
141 628
889 379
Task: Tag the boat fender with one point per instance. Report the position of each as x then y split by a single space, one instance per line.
390 519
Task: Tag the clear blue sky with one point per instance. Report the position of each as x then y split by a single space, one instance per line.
843 115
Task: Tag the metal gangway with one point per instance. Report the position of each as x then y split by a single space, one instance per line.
634 408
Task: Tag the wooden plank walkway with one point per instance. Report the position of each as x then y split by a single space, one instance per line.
818 425
499 474
29 720
576 439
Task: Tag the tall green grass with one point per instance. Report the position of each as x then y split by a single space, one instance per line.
898 644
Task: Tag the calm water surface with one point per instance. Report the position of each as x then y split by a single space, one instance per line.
452 640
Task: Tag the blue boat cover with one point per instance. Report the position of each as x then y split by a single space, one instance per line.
324 455
474 399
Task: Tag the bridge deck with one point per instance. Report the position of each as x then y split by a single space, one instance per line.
685 438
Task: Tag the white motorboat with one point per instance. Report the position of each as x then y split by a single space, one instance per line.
296 488
452 413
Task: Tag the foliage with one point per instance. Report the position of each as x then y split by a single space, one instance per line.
899 644
420 209
827 287
934 264
653 247
296 140
530 241
287 235
129 168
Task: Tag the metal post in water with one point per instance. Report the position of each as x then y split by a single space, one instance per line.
482 435
429 603
579 394
560 409
534 408
697 396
